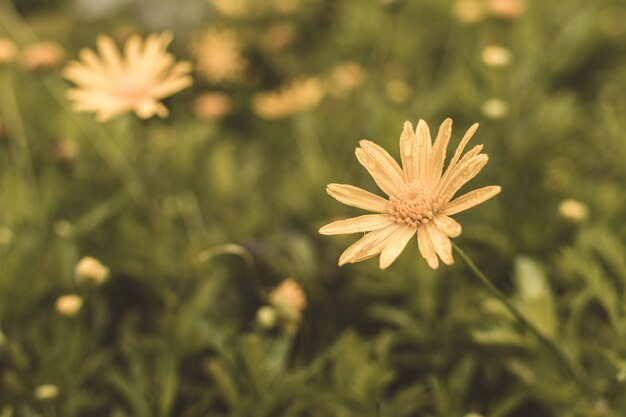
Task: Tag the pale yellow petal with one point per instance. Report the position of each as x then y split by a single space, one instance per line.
110 53
357 197
462 173
441 243
439 150
407 144
395 245
471 199
360 224
459 150
381 156
426 248
382 177
423 145
447 225
368 246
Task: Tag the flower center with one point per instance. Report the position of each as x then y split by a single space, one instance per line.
414 204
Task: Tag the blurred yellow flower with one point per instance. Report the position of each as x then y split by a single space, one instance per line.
91 271
212 106
573 210
42 55
496 56
46 392
219 56
420 197
8 51
506 9
289 301
231 8
69 305
291 99
347 77
278 36
111 84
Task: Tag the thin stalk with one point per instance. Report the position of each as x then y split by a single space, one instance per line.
523 321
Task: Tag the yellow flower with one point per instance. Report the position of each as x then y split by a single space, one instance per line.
111 84
291 99
420 197
8 51
42 55
219 55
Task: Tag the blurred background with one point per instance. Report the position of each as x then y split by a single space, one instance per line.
172 267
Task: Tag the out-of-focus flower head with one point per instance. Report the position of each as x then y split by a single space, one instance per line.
219 56
468 11
347 77
278 36
496 56
110 83
8 51
506 9
90 271
289 302
232 8
69 305
42 56
46 392
495 108
420 197
573 210
212 106
297 97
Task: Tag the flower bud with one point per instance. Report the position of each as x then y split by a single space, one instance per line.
69 305
90 271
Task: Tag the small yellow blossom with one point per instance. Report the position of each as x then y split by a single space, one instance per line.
8 51
297 97
506 9
232 8
42 55
573 210
420 196
69 305
495 108
289 299
219 56
289 302
112 84
278 36
91 271
212 106
347 77
496 56
46 392
468 11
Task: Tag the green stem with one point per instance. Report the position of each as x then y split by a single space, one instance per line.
523 321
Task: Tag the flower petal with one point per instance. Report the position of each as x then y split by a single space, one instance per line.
426 248
407 143
447 225
368 246
381 166
359 224
471 199
357 197
462 173
395 245
441 243
439 150
110 53
422 149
